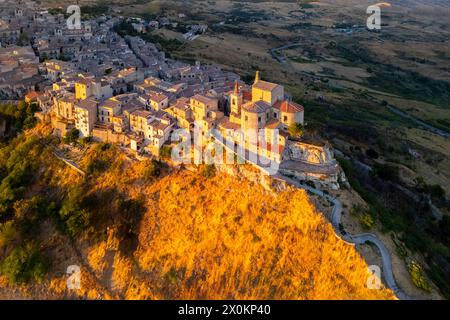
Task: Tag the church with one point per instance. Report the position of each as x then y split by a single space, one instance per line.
263 107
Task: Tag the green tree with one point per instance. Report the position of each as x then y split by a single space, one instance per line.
153 169
296 130
74 217
23 40
418 276
165 152
72 136
209 171
23 264
387 172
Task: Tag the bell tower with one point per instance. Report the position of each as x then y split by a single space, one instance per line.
257 77
236 100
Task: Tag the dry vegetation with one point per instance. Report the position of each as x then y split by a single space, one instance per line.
210 241
190 237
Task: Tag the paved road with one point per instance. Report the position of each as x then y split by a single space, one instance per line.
336 216
276 52
420 123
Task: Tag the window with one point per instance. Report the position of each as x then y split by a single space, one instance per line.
246 118
285 119
275 115
259 119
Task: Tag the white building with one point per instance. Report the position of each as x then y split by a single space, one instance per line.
85 116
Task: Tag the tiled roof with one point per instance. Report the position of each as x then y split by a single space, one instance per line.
158 125
32 95
227 124
288 107
257 107
142 114
203 99
266 86
157 97
247 95
87 104
272 148
273 124
111 103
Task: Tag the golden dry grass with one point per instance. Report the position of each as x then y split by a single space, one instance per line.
224 238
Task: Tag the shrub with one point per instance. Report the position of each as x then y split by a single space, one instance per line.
372 154
356 209
209 171
85 141
74 218
72 136
367 221
387 172
152 169
418 277
296 130
97 166
7 232
444 226
171 276
310 184
166 152
13 186
436 191
18 116
23 264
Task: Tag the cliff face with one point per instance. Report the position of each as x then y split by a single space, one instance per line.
139 230
227 238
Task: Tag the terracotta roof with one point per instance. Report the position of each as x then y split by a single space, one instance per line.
157 97
111 103
258 106
84 81
181 103
87 104
288 107
142 114
247 95
227 124
203 99
266 86
158 125
32 95
271 148
67 97
273 124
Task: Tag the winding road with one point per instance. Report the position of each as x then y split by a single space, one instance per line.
357 239
336 216
418 122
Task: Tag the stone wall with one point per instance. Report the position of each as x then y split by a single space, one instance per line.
319 180
105 135
253 175
60 127
298 151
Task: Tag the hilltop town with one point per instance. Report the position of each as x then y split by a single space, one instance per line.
133 83
92 83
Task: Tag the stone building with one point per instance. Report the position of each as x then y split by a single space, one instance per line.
85 116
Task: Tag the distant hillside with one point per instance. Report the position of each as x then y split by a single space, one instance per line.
140 230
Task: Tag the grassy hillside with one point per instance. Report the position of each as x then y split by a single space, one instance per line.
140 230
